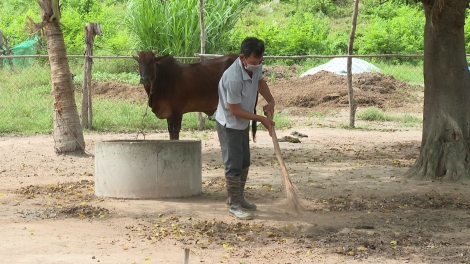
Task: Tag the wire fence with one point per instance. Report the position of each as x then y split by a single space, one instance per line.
20 70
26 100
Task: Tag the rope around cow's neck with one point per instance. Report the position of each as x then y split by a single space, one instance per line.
145 114
143 117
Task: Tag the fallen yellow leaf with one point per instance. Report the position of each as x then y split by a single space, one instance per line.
227 247
361 248
267 188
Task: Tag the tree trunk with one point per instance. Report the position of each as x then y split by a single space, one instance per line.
200 119
446 125
68 133
352 102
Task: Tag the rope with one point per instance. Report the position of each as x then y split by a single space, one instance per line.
142 124
145 114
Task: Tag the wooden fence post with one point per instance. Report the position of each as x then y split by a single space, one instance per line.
352 102
91 29
1 48
7 51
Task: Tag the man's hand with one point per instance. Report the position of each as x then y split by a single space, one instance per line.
268 124
269 109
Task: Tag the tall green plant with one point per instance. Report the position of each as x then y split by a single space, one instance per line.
400 33
173 26
297 34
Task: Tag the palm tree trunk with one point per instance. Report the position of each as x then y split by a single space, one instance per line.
68 132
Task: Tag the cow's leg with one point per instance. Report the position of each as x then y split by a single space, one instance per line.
170 123
174 126
177 119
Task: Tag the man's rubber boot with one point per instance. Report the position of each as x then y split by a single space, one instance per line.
244 204
234 195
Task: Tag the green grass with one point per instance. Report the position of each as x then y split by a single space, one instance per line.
375 114
23 113
123 77
409 120
321 114
118 116
412 74
26 104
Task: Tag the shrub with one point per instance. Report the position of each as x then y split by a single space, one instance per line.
299 34
392 34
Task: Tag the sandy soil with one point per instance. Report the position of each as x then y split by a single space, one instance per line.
359 206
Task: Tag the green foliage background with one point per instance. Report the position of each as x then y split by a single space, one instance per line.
75 14
289 27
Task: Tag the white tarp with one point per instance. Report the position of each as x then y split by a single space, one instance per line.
339 66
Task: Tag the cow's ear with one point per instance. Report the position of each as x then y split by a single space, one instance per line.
136 58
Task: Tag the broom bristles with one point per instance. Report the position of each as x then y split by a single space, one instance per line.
293 195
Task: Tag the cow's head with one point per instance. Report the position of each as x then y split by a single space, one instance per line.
147 67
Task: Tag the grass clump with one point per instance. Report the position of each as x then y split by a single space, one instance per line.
373 114
409 120
321 114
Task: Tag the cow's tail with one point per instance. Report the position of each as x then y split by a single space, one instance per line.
254 125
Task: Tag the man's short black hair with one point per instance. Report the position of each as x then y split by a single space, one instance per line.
252 45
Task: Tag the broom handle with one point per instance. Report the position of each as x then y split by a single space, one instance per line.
277 150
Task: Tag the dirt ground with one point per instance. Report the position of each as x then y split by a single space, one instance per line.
358 205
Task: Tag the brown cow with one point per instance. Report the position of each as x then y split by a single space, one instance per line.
176 88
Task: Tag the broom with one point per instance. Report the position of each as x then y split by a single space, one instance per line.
291 191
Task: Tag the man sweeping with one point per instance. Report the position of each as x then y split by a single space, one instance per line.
238 90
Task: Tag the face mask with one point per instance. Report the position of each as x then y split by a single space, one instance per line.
253 68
